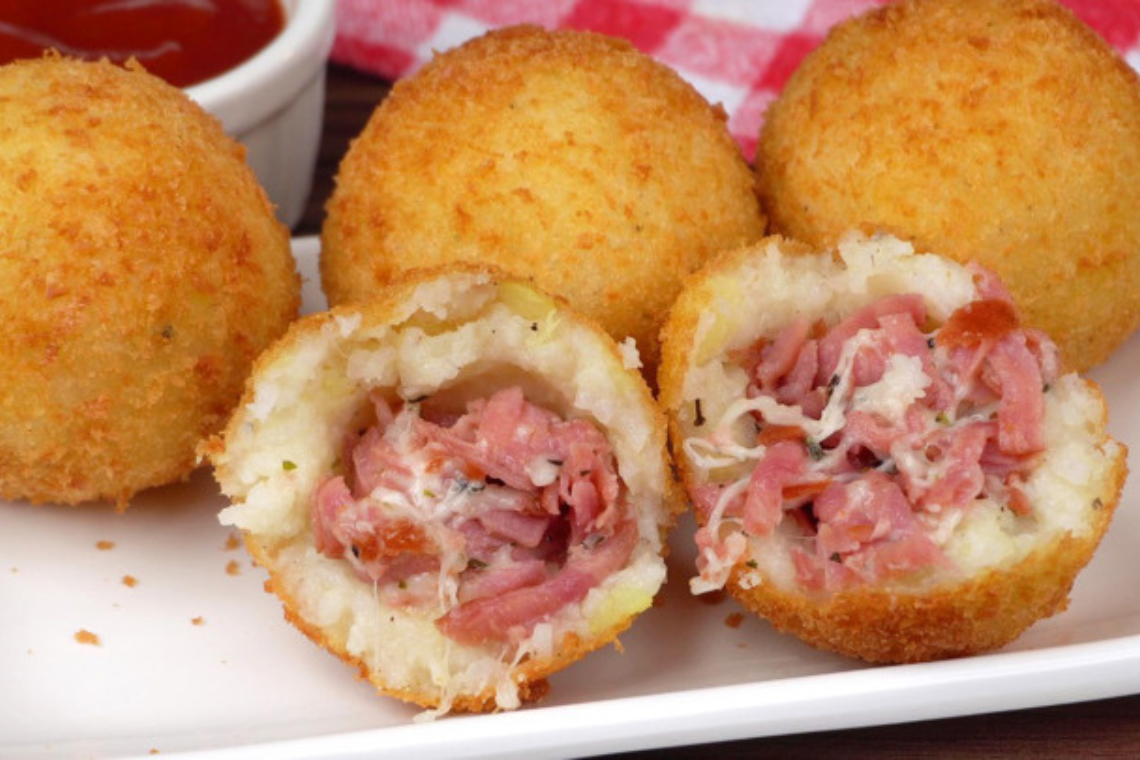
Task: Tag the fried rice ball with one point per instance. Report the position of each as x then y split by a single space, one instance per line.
142 270
567 157
872 469
1000 131
463 544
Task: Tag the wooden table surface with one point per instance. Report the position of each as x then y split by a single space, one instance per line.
1102 729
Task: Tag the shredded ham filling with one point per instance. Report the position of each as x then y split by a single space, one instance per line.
916 426
504 514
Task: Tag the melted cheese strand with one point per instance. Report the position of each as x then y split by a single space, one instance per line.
716 568
716 455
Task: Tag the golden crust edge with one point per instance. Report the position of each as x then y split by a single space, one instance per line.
979 614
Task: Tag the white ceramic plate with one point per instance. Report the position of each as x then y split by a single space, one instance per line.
195 657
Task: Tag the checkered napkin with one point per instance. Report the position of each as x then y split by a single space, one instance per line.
735 52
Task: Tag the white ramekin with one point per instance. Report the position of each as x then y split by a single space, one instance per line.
274 104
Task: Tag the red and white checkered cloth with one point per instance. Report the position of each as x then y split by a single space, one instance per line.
735 52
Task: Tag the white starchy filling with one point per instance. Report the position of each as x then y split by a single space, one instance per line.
630 356
1072 472
903 382
306 401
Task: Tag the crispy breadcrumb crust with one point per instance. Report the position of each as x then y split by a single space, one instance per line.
890 624
567 157
1001 131
143 270
952 620
530 674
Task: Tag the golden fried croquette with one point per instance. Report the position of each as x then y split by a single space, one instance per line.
459 486
1000 131
142 270
568 157
872 460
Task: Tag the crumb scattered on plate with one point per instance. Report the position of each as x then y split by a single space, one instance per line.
199 620
233 541
84 636
712 598
104 546
130 581
232 567
734 620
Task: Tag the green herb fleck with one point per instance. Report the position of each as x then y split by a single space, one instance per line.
815 451
700 417
288 465
835 557
752 564
464 484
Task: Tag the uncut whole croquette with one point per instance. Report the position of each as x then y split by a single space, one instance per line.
142 271
568 157
1004 132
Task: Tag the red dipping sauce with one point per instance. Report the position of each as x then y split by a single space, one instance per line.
183 41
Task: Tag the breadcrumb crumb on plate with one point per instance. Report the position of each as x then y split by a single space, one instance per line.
246 679
84 636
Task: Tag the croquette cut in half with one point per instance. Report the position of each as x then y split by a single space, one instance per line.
459 487
142 271
999 131
883 461
568 157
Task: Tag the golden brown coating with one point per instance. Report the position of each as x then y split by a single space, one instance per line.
978 615
566 157
142 270
1006 573
1002 131
529 677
